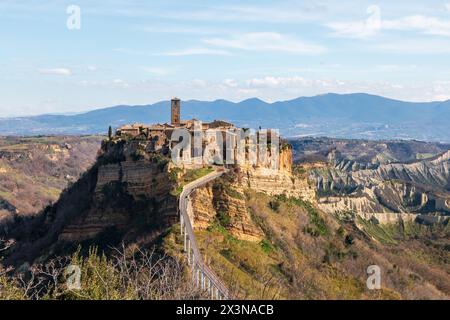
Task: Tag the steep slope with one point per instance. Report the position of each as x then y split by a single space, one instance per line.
124 197
419 187
34 171
278 247
265 233
365 153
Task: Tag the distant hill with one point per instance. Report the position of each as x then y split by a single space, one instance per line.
345 116
34 170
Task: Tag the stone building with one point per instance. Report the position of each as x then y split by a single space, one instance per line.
216 136
175 112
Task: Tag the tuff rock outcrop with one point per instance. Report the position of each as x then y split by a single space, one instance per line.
420 187
223 203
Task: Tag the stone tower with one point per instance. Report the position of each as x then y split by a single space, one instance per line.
175 111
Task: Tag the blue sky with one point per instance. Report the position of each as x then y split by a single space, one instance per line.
140 52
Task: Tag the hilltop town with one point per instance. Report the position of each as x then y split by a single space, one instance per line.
217 142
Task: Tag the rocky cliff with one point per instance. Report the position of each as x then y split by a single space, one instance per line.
224 202
130 194
125 196
273 182
418 187
126 193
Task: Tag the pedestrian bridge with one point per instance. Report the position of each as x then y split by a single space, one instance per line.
202 275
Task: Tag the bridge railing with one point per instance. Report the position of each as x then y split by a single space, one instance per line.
203 276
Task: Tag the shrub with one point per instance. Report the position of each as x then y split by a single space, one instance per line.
340 232
274 205
129 273
266 246
9 289
315 219
349 240
223 219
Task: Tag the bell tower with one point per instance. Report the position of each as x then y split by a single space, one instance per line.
175 112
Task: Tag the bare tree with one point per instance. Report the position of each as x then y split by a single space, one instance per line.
147 274
48 277
271 287
153 276
31 284
6 244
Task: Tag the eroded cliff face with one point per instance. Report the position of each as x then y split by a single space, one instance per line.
132 192
223 202
277 181
126 196
420 188
226 199
285 162
434 172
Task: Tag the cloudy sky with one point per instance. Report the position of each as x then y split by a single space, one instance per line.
140 52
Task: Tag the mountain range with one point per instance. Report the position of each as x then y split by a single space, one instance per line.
357 115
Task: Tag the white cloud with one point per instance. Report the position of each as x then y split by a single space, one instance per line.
359 29
441 90
197 51
441 97
295 83
416 46
130 51
276 14
421 23
156 70
276 82
266 41
198 83
181 30
364 29
56 71
448 7
176 53
395 68
230 83
107 84
121 83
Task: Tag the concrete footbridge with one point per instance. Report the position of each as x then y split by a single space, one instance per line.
202 275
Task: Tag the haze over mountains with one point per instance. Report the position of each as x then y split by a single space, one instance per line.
345 116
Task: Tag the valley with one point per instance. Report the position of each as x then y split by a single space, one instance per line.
34 170
303 232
